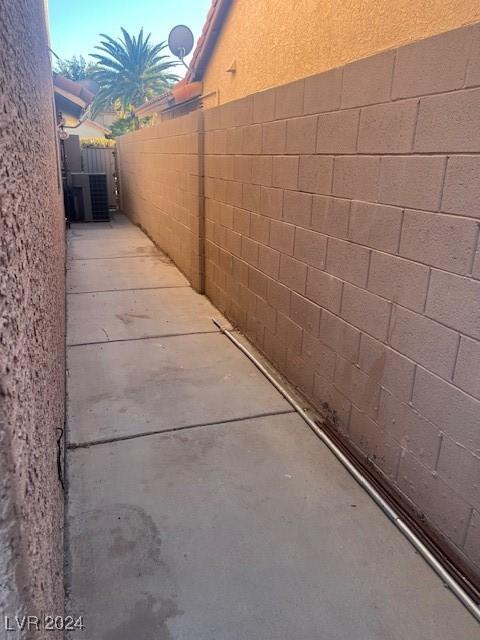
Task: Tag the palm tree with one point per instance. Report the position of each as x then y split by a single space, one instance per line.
130 71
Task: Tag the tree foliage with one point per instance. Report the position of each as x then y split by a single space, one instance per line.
127 123
76 68
131 70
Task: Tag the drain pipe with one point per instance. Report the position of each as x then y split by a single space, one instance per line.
391 514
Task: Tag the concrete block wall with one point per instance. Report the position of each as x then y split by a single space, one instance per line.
342 227
342 236
160 188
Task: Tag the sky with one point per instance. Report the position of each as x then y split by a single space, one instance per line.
74 27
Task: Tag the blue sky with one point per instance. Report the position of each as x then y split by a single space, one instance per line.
74 27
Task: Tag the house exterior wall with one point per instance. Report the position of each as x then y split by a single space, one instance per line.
277 41
160 188
341 235
31 322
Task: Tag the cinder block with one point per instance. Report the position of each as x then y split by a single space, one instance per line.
237 113
289 100
331 216
225 215
399 280
310 247
323 91
275 349
220 141
301 134
293 273
366 311
274 137
297 208
440 504
264 106
473 69
234 140
269 261
461 193
375 225
460 469
290 333
452 410
259 228
364 392
449 123
271 202
388 367
425 341
278 296
333 403
411 430
315 174
262 170
368 81
299 373
422 68
241 221
231 240
251 197
324 289
252 139
282 236
375 443
285 172
266 315
454 301
356 177
257 282
388 128
476 265
337 131
412 181
234 193
339 336
348 261
242 168
440 240
467 368
472 541
317 356
305 313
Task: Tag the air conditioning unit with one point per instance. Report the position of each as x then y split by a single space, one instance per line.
90 196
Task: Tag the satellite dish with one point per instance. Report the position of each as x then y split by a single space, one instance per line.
180 41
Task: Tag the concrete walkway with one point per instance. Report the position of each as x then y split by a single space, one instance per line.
200 507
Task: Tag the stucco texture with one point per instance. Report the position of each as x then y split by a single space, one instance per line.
31 321
276 41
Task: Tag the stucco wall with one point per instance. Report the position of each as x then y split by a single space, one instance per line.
341 235
276 41
31 321
160 188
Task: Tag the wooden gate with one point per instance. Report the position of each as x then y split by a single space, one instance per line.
100 160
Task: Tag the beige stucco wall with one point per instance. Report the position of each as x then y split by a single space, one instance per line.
31 321
277 41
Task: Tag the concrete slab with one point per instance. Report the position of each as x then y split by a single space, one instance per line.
126 388
243 531
90 231
123 315
118 222
123 273
109 246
